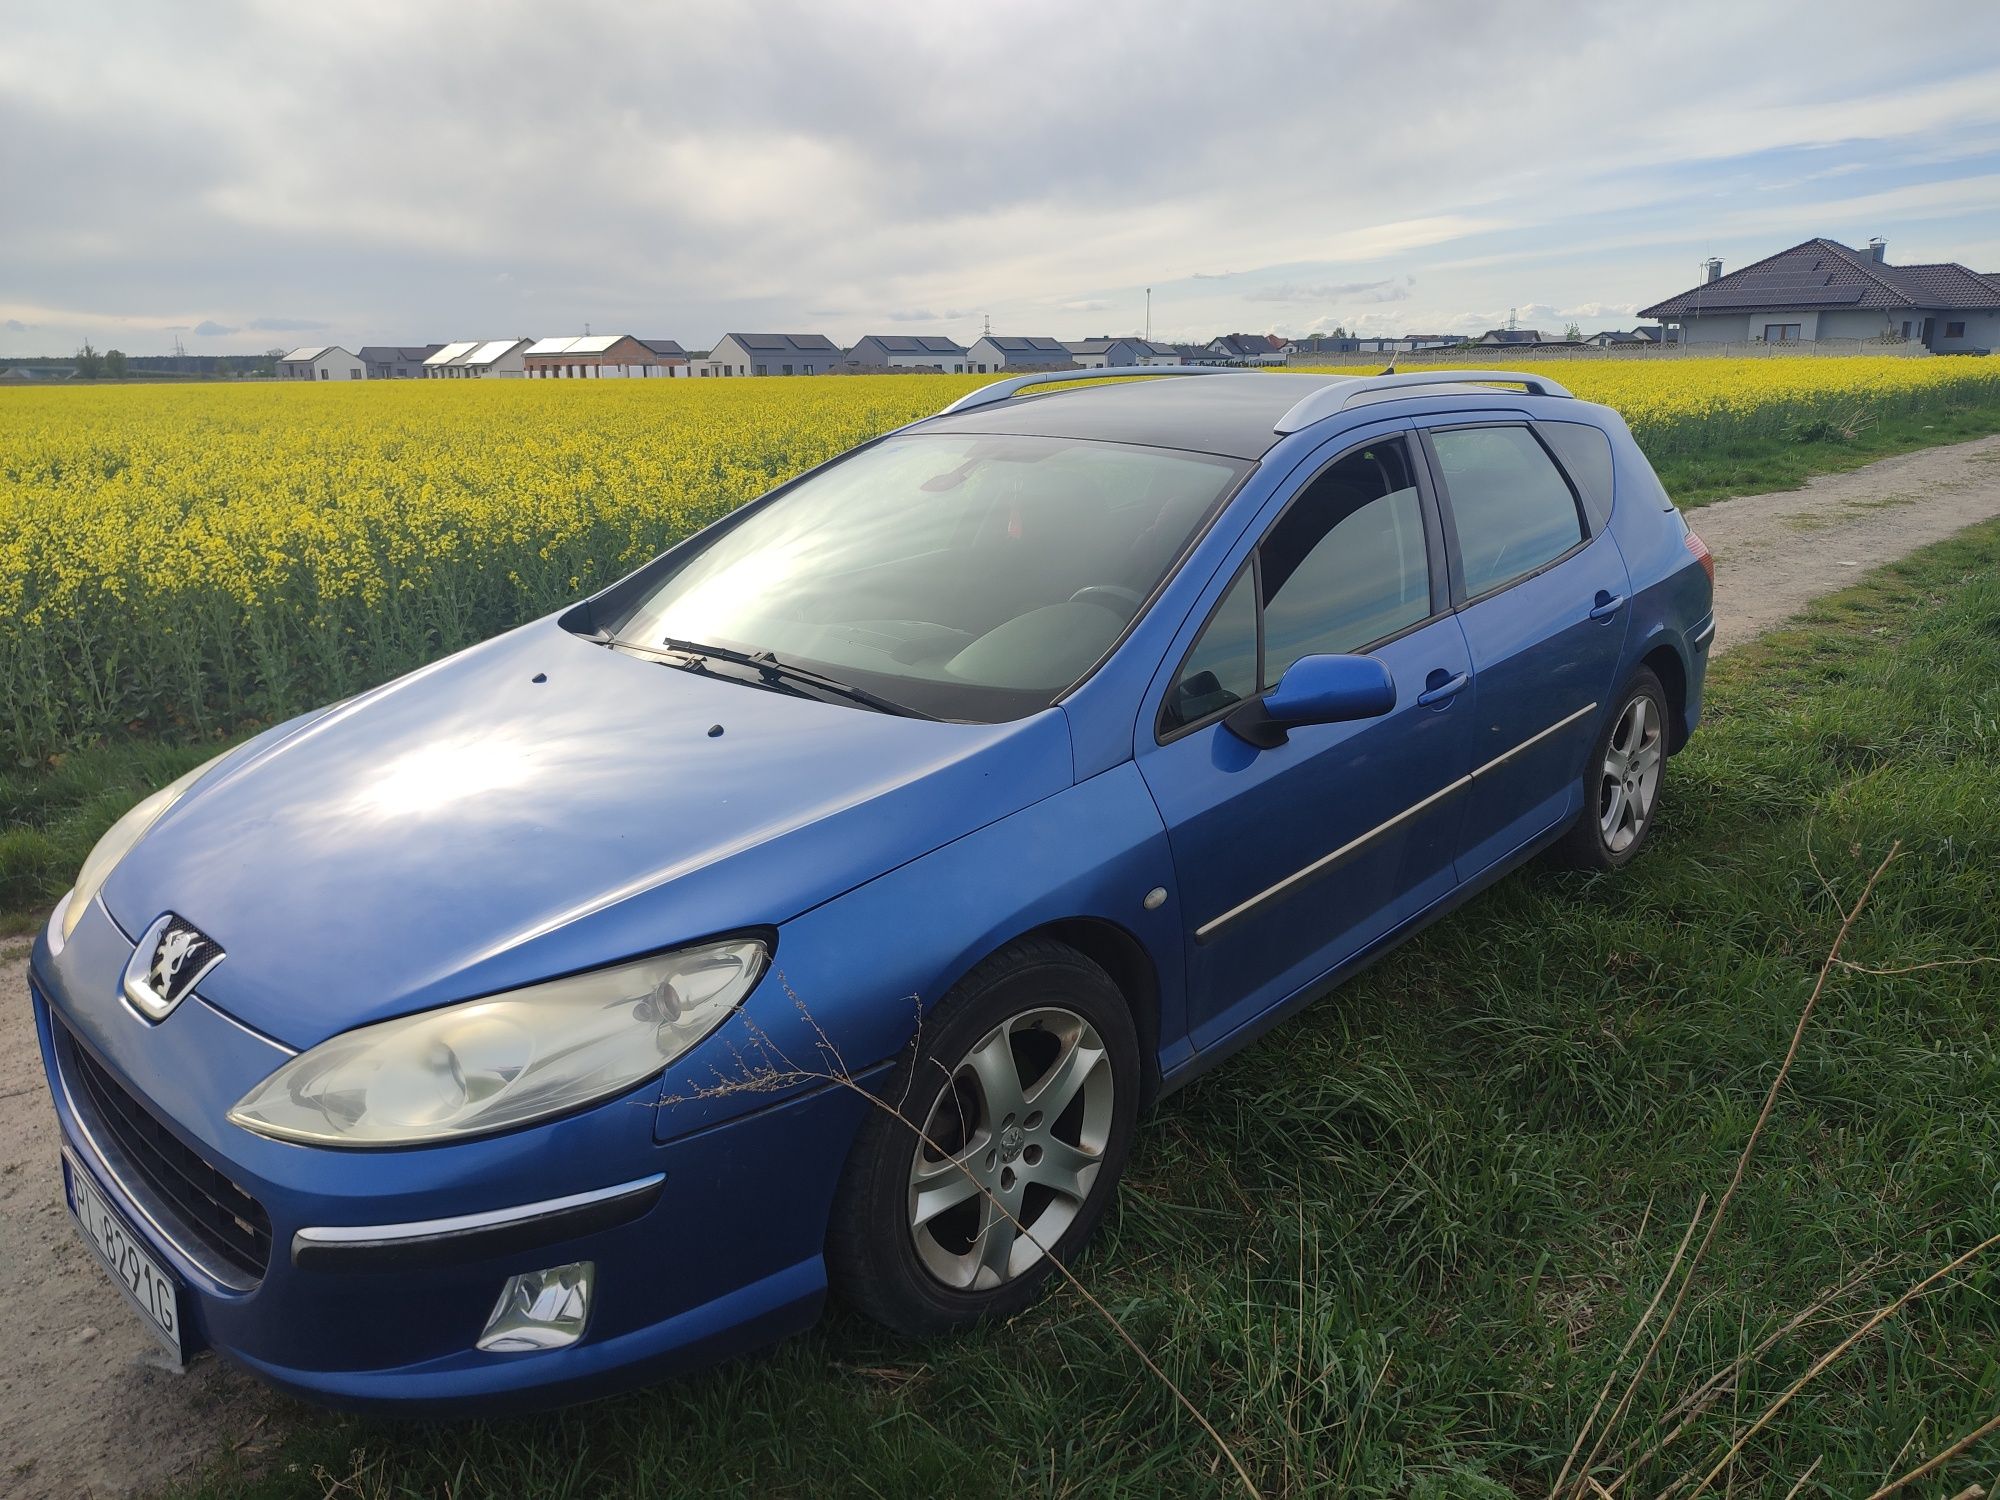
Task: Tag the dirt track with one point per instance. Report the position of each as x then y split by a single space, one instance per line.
88 1409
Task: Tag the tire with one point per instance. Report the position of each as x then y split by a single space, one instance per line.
1621 791
1037 1015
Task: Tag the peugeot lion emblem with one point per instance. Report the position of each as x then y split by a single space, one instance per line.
168 964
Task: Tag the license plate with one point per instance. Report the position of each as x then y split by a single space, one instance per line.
145 1283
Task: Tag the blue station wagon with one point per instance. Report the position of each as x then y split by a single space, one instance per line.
821 906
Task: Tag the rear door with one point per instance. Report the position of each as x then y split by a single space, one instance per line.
1542 593
1293 857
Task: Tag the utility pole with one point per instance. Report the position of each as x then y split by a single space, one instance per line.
1149 315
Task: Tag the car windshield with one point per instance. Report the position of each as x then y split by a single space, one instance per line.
967 577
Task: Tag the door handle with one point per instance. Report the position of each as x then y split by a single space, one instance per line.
1607 605
1446 689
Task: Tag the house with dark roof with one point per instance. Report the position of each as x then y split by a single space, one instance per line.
909 351
1822 289
1511 336
396 361
1106 352
1248 349
993 351
771 354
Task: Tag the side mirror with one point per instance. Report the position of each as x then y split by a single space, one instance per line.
1316 690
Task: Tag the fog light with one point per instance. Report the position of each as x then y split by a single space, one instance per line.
541 1309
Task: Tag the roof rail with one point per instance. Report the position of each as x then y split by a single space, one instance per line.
1338 395
1000 390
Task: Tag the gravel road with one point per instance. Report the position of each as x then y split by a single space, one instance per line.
90 1410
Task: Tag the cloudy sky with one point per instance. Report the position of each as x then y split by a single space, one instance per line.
249 175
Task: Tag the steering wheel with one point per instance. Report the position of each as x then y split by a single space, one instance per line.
1122 602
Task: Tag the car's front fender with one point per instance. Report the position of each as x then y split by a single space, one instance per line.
852 979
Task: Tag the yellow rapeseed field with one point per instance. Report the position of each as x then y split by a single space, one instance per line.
187 557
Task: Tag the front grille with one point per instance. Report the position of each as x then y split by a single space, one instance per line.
199 1206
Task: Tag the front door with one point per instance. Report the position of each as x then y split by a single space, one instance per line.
1292 858
1544 608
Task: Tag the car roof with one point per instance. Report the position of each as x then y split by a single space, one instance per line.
1232 414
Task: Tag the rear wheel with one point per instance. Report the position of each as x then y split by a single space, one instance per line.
1622 781
1018 1105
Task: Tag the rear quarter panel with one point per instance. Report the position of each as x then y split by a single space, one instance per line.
1672 600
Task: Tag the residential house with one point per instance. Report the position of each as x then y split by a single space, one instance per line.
992 351
679 361
1248 349
909 351
603 356
501 358
397 361
445 359
1510 336
1106 352
321 362
771 354
1822 289
1322 343
1412 343
1614 338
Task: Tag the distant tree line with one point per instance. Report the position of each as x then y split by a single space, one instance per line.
91 363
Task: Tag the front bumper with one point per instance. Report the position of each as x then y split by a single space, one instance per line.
710 1244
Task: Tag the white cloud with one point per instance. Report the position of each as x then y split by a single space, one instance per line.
472 187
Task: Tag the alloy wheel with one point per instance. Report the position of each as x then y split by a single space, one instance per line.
1011 1148
1629 783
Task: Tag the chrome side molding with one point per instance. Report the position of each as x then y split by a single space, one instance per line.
1353 846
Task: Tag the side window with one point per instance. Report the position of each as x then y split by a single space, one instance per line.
1221 666
1343 567
1586 452
1510 506
1346 563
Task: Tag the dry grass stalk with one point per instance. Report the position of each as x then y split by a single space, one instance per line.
1984 1429
1630 1339
1876 1320
1690 1407
1847 921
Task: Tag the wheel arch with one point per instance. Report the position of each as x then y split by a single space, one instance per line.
1663 659
1120 954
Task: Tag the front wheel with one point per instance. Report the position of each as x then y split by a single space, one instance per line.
1622 781
1017 1106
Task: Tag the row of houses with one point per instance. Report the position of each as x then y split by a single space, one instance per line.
738 355
1819 289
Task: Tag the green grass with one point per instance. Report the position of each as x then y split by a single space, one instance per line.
1394 1248
51 814
1750 466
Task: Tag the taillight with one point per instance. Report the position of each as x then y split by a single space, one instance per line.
1701 553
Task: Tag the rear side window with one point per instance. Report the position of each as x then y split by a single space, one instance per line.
1586 452
1511 507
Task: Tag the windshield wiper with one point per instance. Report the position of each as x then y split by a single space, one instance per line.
775 673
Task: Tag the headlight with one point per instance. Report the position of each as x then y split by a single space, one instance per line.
506 1060
117 843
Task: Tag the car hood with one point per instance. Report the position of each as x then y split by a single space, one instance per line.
539 805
